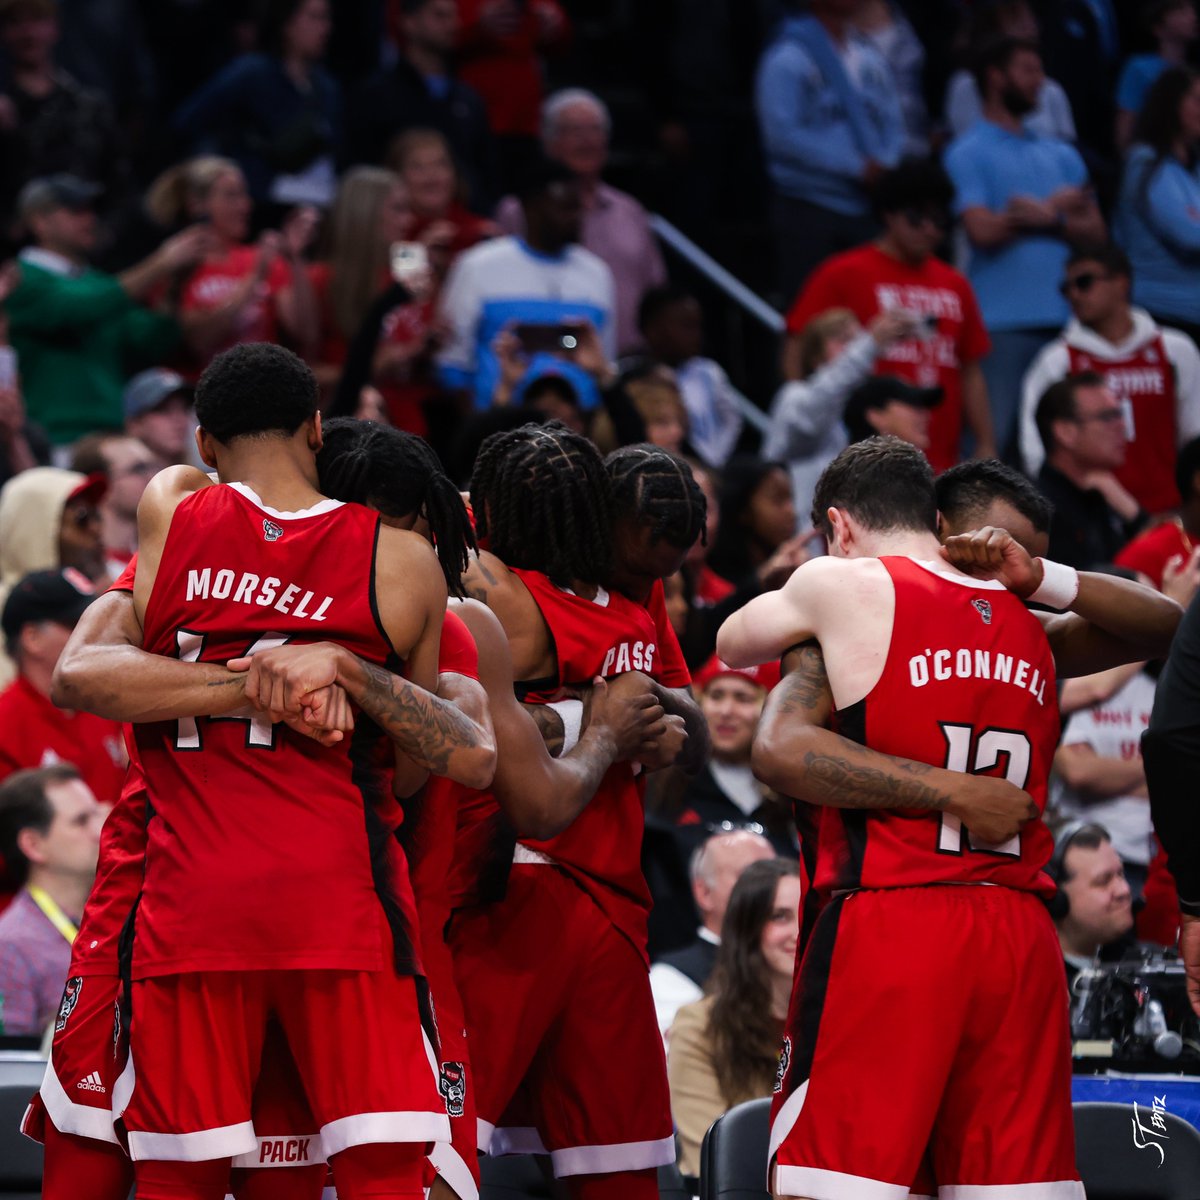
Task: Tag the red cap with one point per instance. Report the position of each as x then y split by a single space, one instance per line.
92 488
765 676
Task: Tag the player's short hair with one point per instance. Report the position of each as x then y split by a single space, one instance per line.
1186 466
1106 254
542 502
1058 403
884 483
24 804
652 484
397 474
969 489
255 389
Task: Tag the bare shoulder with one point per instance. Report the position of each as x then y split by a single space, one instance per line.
836 578
484 625
169 487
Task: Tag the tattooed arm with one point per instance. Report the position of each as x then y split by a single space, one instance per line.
794 754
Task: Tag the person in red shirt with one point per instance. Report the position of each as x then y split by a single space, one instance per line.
1165 550
38 617
900 271
240 292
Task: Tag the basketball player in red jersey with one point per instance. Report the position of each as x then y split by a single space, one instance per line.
928 663
566 943
260 559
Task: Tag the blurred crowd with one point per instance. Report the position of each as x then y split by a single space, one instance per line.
982 221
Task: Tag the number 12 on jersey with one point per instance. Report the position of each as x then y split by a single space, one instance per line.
972 754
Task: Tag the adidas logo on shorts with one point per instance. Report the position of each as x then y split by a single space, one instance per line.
91 1083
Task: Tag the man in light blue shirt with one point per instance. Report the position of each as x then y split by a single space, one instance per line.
1022 198
831 121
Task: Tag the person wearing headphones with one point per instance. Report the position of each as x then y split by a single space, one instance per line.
1093 907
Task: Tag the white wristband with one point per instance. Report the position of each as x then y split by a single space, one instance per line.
570 712
1059 586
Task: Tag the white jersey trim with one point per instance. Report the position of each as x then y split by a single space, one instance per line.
1066 1189
514 1139
990 585
451 1166
69 1117
362 1128
835 1185
785 1119
226 1141
617 1156
326 505
254 1159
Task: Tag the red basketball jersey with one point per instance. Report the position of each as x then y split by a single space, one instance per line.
118 876
257 852
430 817
602 848
968 685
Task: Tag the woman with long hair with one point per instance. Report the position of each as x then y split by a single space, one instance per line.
724 1049
757 516
372 214
1158 211
240 292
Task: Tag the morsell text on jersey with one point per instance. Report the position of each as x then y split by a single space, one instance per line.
249 588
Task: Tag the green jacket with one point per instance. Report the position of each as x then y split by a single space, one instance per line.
78 339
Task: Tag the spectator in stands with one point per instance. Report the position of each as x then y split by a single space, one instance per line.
23 444
758 516
1099 765
1099 902
830 119
1172 543
1155 372
1082 427
1158 211
128 465
1172 27
1051 116
884 24
421 91
543 280
78 332
37 619
672 324
500 44
678 977
50 839
422 159
724 1049
946 342
886 405
1022 198
49 122
158 412
616 228
832 355
239 292
656 397
277 113
371 215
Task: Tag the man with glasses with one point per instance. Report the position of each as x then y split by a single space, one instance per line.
1082 427
900 270
1154 371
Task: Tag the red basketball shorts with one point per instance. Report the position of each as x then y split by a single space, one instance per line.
86 1057
931 1019
197 1040
457 1160
559 1011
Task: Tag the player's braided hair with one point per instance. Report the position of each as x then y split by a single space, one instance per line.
398 474
541 500
652 484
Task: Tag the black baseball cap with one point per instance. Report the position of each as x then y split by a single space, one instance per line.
53 192
59 596
878 392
